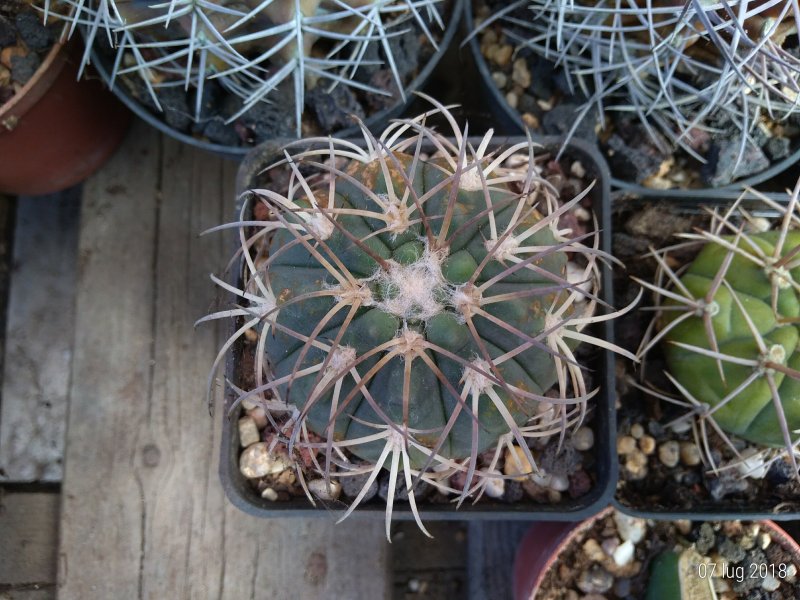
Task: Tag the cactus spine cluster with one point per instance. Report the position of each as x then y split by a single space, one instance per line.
683 67
728 325
250 47
415 309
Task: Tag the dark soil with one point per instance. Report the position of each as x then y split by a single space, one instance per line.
651 485
24 42
742 560
578 467
548 105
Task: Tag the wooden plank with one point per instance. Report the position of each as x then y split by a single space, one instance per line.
434 569
492 549
144 514
28 544
39 335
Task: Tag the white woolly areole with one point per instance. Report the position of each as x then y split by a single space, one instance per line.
412 289
471 181
320 225
505 250
410 341
396 217
466 298
775 354
354 293
780 276
475 380
341 358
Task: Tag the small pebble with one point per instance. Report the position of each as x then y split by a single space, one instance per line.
269 494
257 461
610 546
669 453
623 555
636 465
630 529
582 214
770 583
684 526
248 432
516 463
520 73
626 445
560 483
681 426
690 454
323 491
502 55
595 581
791 574
637 431
500 79
495 486
579 483
593 550
577 169
553 496
353 484
583 439
545 104
753 464
531 120
259 416
647 444
512 99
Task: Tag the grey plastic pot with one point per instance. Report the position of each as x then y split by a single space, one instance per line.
375 122
510 121
241 493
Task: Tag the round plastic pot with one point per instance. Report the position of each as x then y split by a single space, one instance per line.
542 546
241 493
56 130
376 122
510 121
694 205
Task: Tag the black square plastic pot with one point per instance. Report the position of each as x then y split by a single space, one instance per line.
709 509
242 494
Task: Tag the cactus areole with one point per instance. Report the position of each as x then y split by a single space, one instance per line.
426 323
767 292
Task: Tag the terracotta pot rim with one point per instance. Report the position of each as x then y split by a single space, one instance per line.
37 85
778 534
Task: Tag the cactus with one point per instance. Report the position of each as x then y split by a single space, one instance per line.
682 67
416 310
728 325
250 47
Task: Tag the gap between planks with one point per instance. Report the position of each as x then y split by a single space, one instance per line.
143 513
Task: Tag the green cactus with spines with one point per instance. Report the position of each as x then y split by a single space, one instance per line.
416 310
752 413
297 271
728 321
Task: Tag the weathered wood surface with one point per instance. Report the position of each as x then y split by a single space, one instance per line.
39 335
28 545
492 549
143 513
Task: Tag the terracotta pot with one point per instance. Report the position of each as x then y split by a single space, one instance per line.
57 130
543 544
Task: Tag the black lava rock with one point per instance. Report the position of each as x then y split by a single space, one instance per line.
24 67
779 472
270 120
725 165
8 33
352 486
219 132
778 147
561 119
175 107
33 32
633 162
333 109
401 491
405 50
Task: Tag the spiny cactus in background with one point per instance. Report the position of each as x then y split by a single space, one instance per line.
417 310
683 67
250 47
728 325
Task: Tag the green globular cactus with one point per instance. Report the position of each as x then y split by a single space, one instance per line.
416 310
729 325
